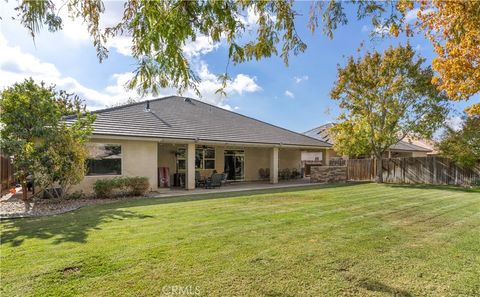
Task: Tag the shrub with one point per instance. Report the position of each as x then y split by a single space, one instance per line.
107 188
104 188
76 195
138 185
475 183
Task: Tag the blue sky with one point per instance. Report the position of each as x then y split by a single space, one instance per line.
295 97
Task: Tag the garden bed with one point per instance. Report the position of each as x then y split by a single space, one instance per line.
12 206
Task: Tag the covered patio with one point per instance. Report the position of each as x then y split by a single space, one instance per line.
189 165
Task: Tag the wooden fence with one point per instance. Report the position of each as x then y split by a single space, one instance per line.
430 170
337 162
360 169
6 174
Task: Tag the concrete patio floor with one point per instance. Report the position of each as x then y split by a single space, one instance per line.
233 187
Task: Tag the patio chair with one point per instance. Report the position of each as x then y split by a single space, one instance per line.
199 180
214 181
267 173
261 173
286 174
224 178
295 173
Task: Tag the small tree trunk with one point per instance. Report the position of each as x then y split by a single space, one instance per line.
24 191
379 178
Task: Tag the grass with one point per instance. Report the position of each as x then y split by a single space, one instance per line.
353 240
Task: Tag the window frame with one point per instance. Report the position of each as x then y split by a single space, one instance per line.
121 160
183 157
179 158
209 159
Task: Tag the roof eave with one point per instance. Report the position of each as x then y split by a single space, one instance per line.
205 141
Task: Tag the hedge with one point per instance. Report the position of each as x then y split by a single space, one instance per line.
126 186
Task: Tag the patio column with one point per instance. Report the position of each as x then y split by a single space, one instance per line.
190 174
274 165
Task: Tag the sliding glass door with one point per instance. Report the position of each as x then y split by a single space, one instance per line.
235 165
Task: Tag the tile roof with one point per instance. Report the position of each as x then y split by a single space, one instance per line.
322 133
185 118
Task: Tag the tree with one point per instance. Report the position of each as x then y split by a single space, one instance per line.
462 146
453 28
384 98
160 29
41 143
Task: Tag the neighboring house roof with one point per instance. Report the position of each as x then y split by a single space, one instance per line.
185 118
322 133
426 143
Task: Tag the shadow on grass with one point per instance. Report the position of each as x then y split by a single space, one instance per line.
376 286
210 195
68 227
75 225
435 187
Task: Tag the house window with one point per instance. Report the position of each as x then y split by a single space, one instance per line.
104 159
205 157
181 158
198 158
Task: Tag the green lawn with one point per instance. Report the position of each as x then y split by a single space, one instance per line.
363 239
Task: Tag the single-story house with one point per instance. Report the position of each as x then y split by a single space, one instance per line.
171 140
403 148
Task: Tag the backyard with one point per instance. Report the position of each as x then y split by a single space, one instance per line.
353 239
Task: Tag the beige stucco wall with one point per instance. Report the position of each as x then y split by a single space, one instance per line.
419 154
256 158
289 158
330 153
139 158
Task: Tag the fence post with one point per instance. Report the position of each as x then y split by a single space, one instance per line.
373 163
456 174
346 164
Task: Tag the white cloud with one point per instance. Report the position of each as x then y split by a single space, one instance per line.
365 29
251 19
74 29
14 60
289 94
299 79
412 15
210 83
16 65
243 83
192 49
381 30
201 46
454 122
122 44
